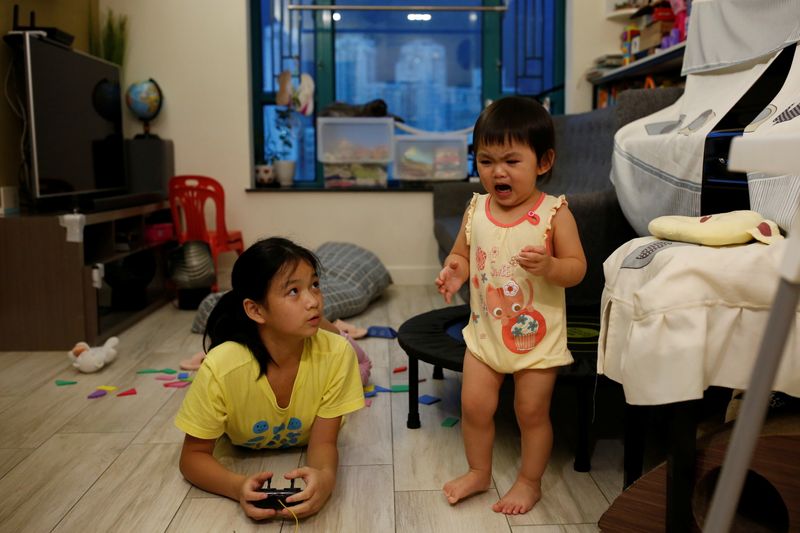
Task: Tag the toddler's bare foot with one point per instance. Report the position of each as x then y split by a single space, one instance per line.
520 498
470 483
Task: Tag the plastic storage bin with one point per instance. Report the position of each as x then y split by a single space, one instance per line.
354 140
430 157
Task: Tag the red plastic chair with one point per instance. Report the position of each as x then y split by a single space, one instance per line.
188 196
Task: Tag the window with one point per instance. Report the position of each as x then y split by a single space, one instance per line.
433 69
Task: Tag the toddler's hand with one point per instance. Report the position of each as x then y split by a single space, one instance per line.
536 260
247 494
447 282
310 500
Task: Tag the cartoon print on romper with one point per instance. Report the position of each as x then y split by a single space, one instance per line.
523 327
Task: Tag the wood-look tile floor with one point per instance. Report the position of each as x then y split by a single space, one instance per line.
70 464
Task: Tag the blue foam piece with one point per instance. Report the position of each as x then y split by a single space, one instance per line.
381 331
428 399
454 331
378 388
370 394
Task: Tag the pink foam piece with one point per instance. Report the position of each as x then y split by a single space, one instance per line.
178 384
368 402
165 378
97 394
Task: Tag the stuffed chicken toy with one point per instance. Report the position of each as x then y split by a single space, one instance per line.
88 359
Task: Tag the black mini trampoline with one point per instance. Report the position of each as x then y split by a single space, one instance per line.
435 337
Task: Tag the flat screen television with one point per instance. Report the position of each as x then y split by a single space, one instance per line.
73 123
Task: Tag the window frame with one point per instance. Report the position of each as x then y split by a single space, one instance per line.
324 56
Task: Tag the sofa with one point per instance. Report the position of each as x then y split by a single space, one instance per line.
584 146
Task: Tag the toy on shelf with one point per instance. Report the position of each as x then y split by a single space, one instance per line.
88 359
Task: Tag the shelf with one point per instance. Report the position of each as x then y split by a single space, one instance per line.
671 58
621 15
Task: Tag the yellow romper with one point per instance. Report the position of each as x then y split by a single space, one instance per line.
518 320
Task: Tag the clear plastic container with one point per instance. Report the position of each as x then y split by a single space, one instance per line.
430 157
354 140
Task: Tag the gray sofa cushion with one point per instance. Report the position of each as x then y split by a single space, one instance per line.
584 145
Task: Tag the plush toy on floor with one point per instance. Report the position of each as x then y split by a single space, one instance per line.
88 359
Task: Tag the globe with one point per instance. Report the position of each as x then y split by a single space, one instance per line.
144 99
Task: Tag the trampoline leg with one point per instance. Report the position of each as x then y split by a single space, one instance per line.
413 393
438 373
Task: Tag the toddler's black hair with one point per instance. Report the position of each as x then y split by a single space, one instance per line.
251 278
515 119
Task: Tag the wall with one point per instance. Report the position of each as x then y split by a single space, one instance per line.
198 51
588 35
71 17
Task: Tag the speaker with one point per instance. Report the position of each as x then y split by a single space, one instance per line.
151 164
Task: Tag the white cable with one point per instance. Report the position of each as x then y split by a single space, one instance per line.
5 90
19 111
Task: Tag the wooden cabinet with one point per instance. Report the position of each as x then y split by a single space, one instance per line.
48 299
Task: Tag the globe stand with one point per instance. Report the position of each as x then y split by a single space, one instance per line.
145 99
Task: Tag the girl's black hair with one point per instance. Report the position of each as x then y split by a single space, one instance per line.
515 119
251 278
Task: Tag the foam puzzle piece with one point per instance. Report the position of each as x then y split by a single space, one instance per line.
378 388
449 422
107 388
370 394
368 402
399 369
62 382
148 371
427 399
381 331
178 384
183 375
97 394
129 392
369 388
165 378
400 388
168 371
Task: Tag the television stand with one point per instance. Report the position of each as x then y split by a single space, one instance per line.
49 300
108 203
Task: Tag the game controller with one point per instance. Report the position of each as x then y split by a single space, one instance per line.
276 497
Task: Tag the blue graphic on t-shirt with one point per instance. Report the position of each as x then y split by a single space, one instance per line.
255 439
260 427
290 437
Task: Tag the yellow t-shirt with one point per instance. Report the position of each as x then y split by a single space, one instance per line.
225 396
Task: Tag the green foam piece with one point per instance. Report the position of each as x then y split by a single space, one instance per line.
168 371
148 371
62 382
399 388
449 422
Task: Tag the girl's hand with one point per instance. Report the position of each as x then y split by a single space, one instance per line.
247 494
447 281
319 485
536 260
